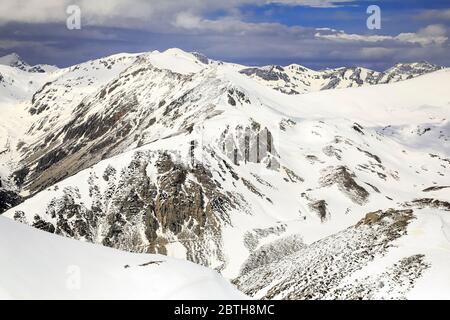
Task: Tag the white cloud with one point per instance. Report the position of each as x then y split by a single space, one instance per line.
443 14
129 12
342 36
234 26
312 3
431 35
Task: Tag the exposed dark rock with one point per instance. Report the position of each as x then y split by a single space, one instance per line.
332 151
370 155
435 188
238 95
150 263
320 207
138 214
358 128
373 187
271 73
430 203
43 225
37 93
344 179
9 199
109 171
252 188
293 177
231 101
19 176
312 158
201 57
400 218
371 218
286 123
19 216
51 158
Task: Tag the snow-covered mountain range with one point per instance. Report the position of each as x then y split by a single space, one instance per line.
286 186
296 79
44 266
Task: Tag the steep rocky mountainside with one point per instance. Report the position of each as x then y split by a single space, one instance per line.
176 154
25 120
296 79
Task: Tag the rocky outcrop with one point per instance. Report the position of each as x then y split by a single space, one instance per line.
345 181
8 199
435 188
320 207
430 203
141 213
269 73
302 275
201 57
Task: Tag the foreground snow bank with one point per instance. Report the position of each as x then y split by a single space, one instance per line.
39 265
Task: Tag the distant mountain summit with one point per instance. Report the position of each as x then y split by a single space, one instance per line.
15 61
296 79
404 71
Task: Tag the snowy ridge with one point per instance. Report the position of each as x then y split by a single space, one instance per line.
296 79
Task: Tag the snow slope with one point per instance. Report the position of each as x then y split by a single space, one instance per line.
38 265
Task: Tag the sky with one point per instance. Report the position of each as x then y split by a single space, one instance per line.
314 33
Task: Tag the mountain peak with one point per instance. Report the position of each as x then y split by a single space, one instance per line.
13 60
402 71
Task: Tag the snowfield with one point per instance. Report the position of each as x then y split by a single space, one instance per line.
339 190
38 265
